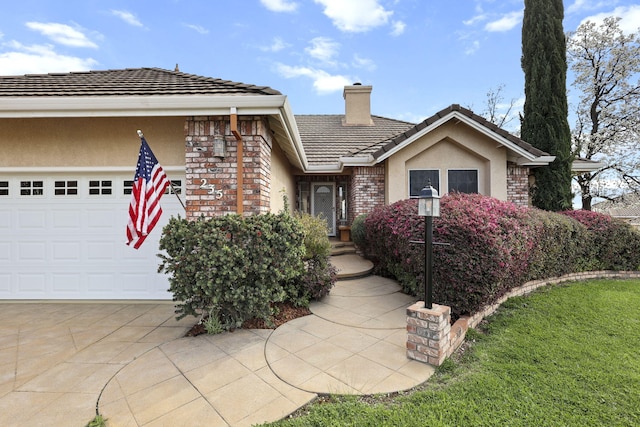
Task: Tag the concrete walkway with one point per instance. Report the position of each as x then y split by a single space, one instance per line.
59 361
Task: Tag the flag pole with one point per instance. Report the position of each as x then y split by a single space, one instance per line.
141 135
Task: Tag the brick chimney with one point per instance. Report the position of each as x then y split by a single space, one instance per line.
357 100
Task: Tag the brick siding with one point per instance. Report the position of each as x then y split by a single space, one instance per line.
517 184
366 190
219 196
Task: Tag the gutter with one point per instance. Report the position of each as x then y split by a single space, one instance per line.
138 106
233 113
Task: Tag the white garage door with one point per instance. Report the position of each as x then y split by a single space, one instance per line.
63 237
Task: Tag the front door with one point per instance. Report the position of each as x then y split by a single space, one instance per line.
323 204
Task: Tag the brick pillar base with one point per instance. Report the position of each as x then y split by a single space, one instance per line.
428 333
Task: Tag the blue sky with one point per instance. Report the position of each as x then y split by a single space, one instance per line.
419 55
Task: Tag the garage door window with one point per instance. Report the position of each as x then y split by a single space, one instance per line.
4 188
65 188
31 188
174 188
100 187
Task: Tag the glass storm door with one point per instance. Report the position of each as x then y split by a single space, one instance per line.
323 204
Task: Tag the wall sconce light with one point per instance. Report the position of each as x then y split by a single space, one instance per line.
219 147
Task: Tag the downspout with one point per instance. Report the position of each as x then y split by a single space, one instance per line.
239 160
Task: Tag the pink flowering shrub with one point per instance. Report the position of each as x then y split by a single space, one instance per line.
616 243
492 247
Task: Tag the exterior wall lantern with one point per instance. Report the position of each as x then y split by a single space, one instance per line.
428 207
219 146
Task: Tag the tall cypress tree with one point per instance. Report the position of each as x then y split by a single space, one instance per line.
545 122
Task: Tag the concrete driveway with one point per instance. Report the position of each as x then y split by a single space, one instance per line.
61 361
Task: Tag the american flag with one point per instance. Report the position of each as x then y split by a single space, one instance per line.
149 184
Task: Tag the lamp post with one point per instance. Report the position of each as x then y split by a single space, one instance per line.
428 207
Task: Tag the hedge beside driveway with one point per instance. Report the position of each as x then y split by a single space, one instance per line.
493 246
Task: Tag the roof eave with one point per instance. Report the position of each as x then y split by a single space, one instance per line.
536 162
367 160
517 150
583 166
325 168
128 106
287 118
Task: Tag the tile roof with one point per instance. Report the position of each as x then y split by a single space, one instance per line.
127 82
626 206
384 146
325 139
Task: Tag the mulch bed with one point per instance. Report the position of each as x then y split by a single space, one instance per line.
285 313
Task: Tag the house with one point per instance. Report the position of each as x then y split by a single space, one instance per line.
625 207
69 147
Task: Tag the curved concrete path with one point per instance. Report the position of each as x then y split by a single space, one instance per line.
58 360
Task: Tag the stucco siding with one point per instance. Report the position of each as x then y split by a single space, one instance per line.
281 179
81 142
451 146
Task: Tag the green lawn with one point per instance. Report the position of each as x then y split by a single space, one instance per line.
563 356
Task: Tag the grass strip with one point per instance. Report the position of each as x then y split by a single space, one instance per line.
563 356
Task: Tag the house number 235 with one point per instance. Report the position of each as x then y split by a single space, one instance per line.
211 188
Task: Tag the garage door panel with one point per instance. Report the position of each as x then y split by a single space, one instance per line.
102 220
32 283
5 220
67 219
30 220
66 283
32 251
5 284
101 250
5 252
66 251
102 283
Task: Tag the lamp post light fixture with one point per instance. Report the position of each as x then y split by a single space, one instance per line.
428 207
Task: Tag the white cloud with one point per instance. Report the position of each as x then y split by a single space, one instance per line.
398 28
62 34
471 49
365 63
277 44
583 5
630 15
323 49
280 5
506 23
37 59
197 28
478 18
127 17
355 16
323 82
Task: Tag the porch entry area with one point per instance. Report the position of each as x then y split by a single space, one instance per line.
325 199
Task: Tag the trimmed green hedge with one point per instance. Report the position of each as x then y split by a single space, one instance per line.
493 247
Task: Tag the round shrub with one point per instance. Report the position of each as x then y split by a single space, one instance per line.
231 266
